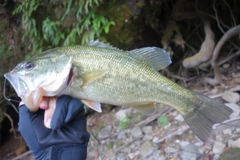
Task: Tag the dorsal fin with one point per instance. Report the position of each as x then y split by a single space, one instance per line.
156 57
97 43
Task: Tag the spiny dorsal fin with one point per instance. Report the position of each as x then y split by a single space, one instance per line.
97 43
156 57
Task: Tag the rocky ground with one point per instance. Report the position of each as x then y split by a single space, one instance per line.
122 133
164 136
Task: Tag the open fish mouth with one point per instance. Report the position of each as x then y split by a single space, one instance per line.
19 85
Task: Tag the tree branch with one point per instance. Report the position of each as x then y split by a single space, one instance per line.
231 32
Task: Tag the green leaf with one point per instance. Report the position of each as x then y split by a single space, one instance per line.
163 120
107 26
68 10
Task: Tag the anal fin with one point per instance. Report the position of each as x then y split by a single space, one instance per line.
146 108
94 105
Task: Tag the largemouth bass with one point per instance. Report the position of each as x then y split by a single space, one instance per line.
98 73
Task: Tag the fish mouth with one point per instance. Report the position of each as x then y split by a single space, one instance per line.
18 84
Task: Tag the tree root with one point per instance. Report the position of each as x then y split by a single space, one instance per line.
12 126
231 32
206 49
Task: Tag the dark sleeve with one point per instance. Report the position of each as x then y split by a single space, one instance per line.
67 109
26 123
67 140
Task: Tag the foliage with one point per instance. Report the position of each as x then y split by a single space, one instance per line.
124 123
163 120
61 23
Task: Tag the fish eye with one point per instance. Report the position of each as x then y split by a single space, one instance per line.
29 65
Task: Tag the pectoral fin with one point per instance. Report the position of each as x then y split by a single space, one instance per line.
94 105
146 109
91 76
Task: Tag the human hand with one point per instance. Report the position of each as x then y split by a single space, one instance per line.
66 133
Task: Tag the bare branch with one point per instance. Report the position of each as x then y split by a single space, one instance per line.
12 126
216 14
231 32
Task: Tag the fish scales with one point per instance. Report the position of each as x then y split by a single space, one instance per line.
127 74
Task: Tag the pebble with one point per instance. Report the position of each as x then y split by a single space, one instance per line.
105 132
236 143
184 144
179 118
227 131
172 149
167 126
190 152
148 137
218 147
122 135
147 129
136 132
226 65
235 108
122 114
155 139
157 156
147 148
133 155
232 97
120 156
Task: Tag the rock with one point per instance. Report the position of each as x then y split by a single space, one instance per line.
227 131
183 144
133 155
122 114
120 156
235 108
157 156
190 152
229 142
147 149
231 154
122 135
226 65
172 148
155 139
236 143
218 147
232 97
105 132
136 132
179 118
148 137
147 130
167 126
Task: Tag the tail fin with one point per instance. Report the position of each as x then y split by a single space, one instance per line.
205 114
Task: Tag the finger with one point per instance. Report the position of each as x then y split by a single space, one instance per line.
21 103
44 104
49 111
